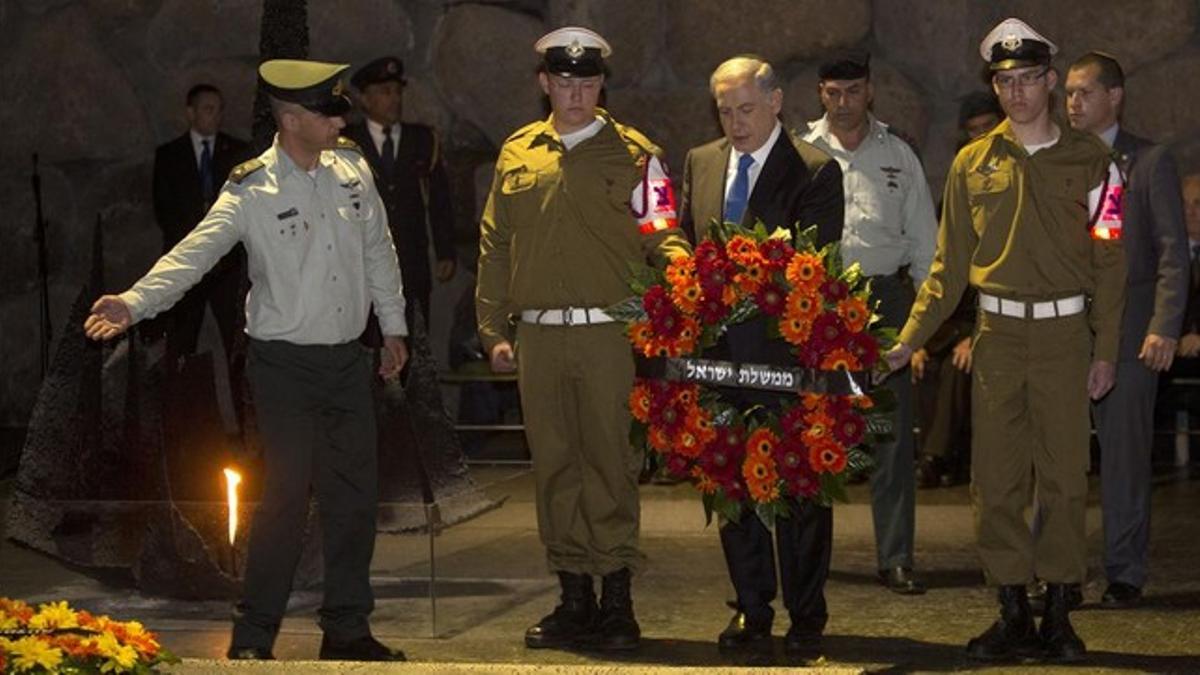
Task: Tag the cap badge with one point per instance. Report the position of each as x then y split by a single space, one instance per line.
391 67
1011 42
575 50
338 88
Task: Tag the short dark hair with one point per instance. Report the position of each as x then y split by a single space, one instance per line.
203 88
1111 74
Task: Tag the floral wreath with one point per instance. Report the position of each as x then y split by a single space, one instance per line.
805 447
57 639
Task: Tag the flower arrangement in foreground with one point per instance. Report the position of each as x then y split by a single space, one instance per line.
57 639
807 444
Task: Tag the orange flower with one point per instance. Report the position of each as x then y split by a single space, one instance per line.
658 439
687 444
813 401
854 312
827 456
762 442
703 482
681 271
686 296
862 402
806 271
820 426
749 280
699 422
840 359
795 330
802 304
762 478
686 395
743 250
640 334
639 403
729 295
689 333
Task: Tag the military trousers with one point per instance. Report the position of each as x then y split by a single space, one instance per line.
893 482
316 417
575 383
1030 425
1125 427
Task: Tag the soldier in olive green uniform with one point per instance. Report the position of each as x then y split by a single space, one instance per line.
1031 219
575 199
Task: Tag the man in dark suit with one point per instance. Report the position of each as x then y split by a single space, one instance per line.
758 171
1188 352
406 160
1156 296
188 174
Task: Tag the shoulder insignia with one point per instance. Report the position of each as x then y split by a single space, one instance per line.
344 143
244 169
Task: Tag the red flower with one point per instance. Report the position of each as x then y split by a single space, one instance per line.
770 299
791 460
828 333
677 465
656 301
712 310
864 347
849 428
776 253
792 423
708 253
834 290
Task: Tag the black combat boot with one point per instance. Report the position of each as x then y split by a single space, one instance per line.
616 628
1013 634
572 621
1059 640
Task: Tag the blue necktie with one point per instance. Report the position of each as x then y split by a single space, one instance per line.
735 203
206 173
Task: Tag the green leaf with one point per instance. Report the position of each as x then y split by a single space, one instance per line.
643 276
766 514
708 500
628 310
834 485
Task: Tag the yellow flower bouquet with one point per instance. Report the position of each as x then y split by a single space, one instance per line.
57 639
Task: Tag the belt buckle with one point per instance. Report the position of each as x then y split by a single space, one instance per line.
568 316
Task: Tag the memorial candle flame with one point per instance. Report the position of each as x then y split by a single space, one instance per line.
232 479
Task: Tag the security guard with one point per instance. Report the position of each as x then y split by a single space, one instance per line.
319 255
1032 220
410 175
575 199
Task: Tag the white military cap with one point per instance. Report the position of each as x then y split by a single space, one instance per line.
573 51
1013 44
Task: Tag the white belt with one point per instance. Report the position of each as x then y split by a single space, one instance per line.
571 316
1032 310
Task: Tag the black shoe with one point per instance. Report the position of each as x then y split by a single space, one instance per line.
616 627
571 621
1059 641
744 632
1012 634
802 642
250 654
901 580
1120 595
365 648
1037 596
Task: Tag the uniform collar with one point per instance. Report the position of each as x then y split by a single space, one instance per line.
285 166
820 129
548 135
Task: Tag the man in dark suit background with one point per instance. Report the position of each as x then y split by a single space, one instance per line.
406 161
188 174
759 171
1188 352
1156 296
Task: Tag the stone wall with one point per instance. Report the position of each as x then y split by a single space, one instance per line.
94 85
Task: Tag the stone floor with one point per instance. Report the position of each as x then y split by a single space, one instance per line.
491 583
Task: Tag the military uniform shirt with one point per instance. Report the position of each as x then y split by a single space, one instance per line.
318 248
1016 225
890 219
561 227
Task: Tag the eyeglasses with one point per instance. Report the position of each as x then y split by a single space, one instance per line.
1024 80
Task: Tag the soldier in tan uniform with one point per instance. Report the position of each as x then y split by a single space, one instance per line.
575 199
1031 220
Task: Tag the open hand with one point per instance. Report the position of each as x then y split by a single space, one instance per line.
109 318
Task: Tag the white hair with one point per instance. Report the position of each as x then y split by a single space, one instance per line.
744 67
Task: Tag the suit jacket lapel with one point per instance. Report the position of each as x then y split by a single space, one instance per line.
1127 152
774 170
191 165
708 187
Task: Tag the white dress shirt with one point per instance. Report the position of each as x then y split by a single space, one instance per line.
890 219
198 145
378 134
760 158
318 248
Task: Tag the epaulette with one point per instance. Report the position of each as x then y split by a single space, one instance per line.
524 130
244 169
636 138
344 143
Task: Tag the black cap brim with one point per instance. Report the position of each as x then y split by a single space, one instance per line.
334 107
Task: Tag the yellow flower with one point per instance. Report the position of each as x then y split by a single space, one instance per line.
54 615
119 657
30 653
